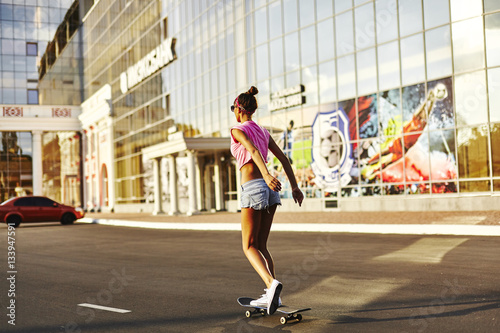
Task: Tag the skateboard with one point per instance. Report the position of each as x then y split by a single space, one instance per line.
289 314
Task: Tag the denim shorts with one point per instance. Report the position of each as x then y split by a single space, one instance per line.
257 195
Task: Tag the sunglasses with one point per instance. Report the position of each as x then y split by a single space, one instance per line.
237 106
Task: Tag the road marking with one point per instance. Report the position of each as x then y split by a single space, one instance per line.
393 229
105 308
425 250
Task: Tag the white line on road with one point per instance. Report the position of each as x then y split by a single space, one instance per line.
105 308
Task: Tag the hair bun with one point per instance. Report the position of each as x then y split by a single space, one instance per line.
253 91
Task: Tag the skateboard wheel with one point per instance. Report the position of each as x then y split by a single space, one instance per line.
263 312
248 314
299 317
283 320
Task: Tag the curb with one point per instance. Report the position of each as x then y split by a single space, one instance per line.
396 229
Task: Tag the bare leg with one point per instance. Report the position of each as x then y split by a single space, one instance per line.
265 229
250 225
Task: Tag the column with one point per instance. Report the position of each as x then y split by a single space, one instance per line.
219 195
37 162
158 209
199 188
172 183
193 203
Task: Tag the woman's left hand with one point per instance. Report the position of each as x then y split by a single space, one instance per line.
273 183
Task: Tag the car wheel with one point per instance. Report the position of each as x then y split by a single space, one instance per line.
68 218
14 220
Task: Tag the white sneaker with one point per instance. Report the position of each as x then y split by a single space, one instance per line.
273 295
262 301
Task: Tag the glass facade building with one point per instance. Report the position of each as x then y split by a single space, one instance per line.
34 136
386 104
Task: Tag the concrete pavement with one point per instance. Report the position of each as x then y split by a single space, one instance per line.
472 223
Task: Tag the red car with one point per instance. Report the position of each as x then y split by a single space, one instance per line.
37 209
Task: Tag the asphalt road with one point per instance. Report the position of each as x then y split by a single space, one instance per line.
188 281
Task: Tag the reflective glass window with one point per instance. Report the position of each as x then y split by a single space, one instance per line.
290 15
344 33
277 62
388 66
386 15
494 94
438 52
341 5
468 45
470 98
412 59
310 81
442 155
366 71
473 154
324 9
275 22
260 25
495 149
32 96
410 17
327 84
308 45
306 10
492 26
262 62
365 26
463 9
292 51
346 77
325 45
491 5
436 12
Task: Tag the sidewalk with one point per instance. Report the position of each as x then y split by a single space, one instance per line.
472 223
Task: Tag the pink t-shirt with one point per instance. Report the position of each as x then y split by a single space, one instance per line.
257 134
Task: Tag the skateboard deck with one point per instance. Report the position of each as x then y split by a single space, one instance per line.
289 313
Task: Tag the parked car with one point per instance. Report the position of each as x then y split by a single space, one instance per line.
37 209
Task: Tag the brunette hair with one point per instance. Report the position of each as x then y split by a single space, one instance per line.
248 101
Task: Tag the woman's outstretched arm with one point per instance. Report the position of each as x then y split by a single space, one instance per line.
297 194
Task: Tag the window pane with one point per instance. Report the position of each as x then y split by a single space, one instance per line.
325 40
388 66
290 15
344 32
367 71
438 48
310 80
412 59
346 77
341 5
292 51
436 12
260 25
390 112
306 12
462 9
327 84
470 98
31 49
468 45
492 23
324 8
494 94
495 149
410 17
262 61
32 96
365 26
275 25
308 46
472 152
387 20
442 155
491 5
277 57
